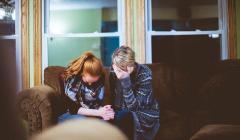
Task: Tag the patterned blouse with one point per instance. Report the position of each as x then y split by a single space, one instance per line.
83 95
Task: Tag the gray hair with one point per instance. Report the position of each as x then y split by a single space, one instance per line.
123 56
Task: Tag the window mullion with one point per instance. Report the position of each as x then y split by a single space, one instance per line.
9 37
116 34
160 33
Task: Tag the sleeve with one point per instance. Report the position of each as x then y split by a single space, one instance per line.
71 105
141 95
69 98
101 96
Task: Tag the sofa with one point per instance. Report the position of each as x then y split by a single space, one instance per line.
199 101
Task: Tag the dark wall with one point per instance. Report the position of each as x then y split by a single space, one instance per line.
10 123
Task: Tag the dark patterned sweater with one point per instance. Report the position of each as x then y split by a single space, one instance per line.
80 94
135 94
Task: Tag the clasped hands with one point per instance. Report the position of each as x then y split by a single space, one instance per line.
106 112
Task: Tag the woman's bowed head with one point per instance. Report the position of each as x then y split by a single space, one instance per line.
123 62
87 66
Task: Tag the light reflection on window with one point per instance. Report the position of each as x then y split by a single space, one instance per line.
7 10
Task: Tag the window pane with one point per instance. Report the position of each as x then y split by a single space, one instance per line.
186 49
184 15
7 17
83 16
61 51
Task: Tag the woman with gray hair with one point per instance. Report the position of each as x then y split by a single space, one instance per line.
133 101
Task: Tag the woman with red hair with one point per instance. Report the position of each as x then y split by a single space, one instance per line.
84 91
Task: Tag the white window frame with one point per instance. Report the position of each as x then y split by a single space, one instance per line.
17 38
222 11
45 35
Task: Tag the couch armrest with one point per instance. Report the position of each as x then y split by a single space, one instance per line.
218 132
37 106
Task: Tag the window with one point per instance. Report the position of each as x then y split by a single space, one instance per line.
185 31
10 37
72 27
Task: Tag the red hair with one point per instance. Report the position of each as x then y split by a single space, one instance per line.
85 64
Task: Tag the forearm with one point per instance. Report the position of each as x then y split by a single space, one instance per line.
128 95
142 95
89 112
130 100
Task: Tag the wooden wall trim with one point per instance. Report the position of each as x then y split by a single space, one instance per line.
232 42
37 42
25 43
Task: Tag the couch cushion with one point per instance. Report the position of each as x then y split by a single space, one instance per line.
52 78
170 86
218 132
173 126
216 100
220 96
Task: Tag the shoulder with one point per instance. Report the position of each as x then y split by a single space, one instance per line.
143 71
72 80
